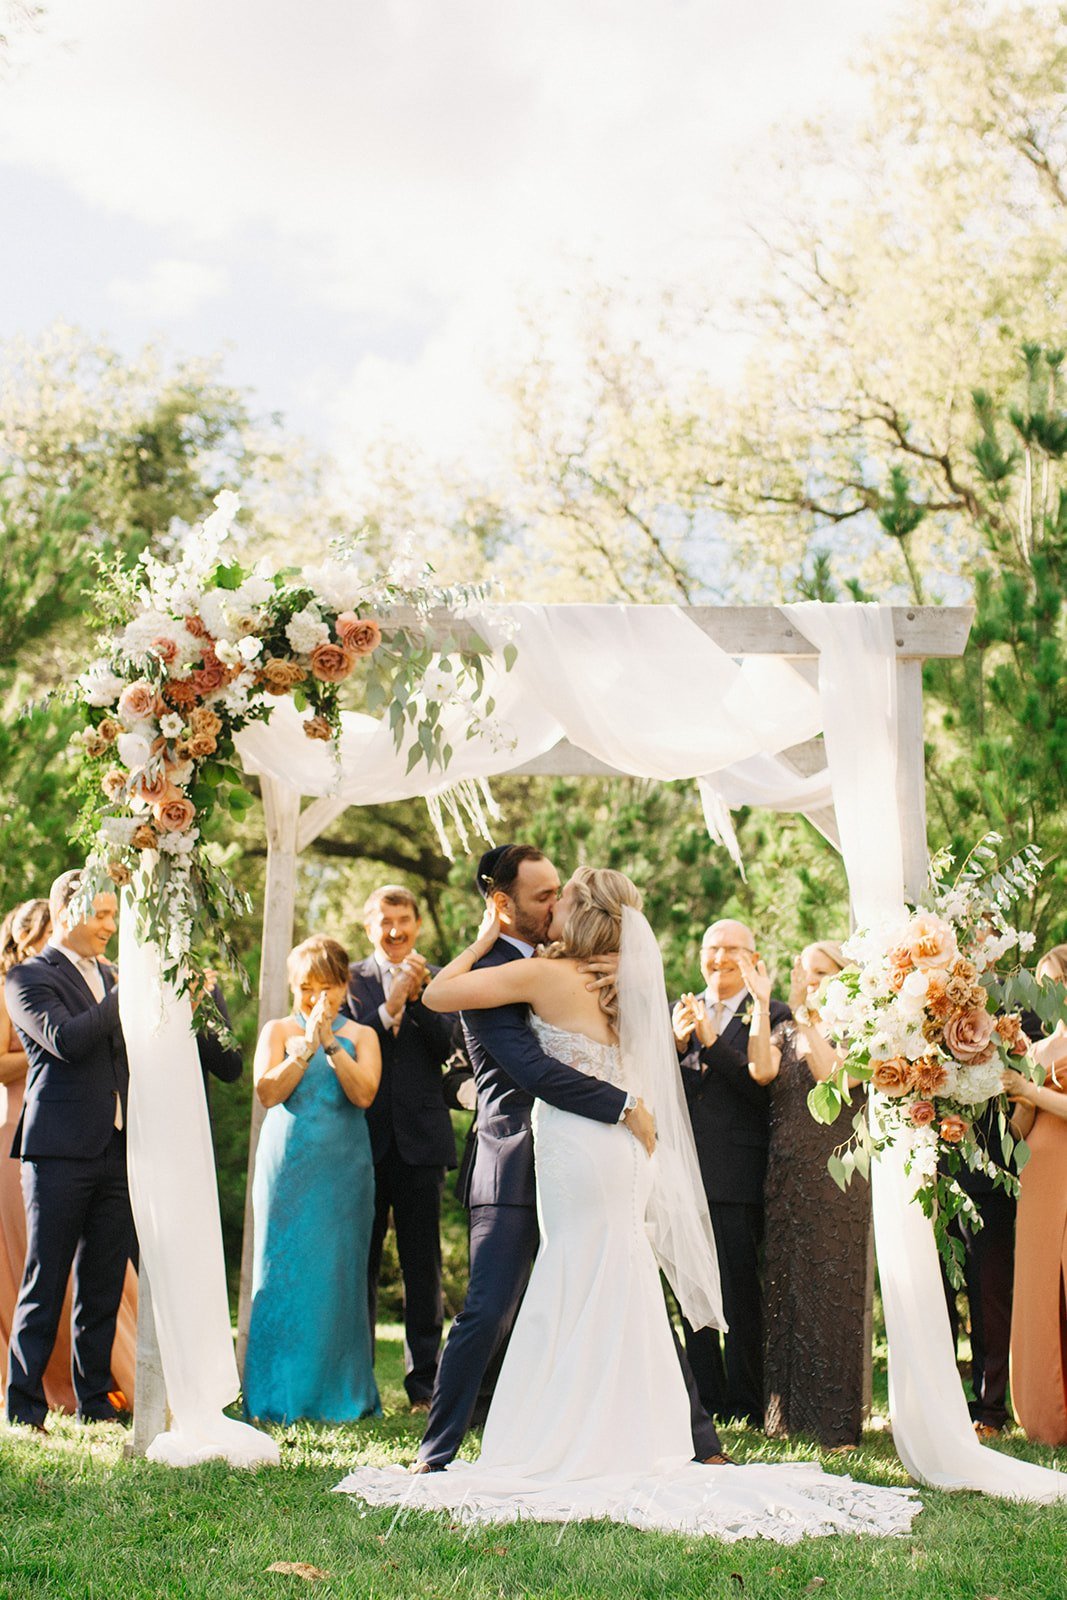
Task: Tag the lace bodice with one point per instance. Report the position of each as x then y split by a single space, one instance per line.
577 1050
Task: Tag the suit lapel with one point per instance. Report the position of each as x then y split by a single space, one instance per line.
66 968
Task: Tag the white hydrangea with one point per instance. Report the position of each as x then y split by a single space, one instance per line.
99 685
336 583
179 844
215 614
977 1084
306 630
254 592
235 699
118 830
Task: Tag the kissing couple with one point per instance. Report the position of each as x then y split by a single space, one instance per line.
585 1160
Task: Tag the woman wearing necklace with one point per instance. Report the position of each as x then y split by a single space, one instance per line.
309 1344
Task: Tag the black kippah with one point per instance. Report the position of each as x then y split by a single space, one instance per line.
483 878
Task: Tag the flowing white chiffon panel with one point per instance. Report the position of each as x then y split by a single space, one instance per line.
932 1428
175 1202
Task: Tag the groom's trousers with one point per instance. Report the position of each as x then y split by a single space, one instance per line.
503 1243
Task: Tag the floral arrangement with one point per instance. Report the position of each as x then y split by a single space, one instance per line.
192 652
920 1016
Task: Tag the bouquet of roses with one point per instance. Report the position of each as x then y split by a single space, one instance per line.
921 1016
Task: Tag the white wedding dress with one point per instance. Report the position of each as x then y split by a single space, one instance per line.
590 1418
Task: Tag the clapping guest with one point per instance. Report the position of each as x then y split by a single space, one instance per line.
815 1270
724 1037
1039 1322
316 1071
71 1137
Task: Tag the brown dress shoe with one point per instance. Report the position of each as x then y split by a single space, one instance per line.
721 1460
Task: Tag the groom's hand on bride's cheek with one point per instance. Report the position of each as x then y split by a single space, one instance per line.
601 970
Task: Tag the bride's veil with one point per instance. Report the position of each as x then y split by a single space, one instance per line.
678 1223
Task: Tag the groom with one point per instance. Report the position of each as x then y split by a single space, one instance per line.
510 1072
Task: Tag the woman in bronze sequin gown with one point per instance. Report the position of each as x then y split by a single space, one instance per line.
817 1245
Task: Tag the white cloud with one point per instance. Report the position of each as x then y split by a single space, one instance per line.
171 289
419 163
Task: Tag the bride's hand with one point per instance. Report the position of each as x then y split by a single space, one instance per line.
488 931
642 1124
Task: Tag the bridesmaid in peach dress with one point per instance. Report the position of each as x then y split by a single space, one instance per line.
24 931
1039 1312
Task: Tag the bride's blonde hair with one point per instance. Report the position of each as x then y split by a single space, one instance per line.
594 924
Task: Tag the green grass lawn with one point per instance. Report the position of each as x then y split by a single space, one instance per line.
77 1520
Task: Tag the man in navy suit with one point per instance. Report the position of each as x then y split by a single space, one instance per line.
71 1139
729 1111
412 1142
510 1072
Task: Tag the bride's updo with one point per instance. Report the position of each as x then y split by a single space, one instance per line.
594 923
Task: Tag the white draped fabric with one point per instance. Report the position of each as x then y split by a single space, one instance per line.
932 1428
176 1211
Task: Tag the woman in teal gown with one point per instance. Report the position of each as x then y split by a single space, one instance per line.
309 1340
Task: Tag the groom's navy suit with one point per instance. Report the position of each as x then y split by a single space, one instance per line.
502 1199
73 1179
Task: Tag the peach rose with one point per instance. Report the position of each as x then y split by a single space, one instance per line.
900 964
937 1001
361 636
204 723
953 1129
181 693
963 994
201 746
930 941
120 875
113 783
931 1075
318 728
174 816
278 676
165 649
92 743
331 663
196 628
109 729
137 702
962 968
154 788
894 1077
969 1035
921 1113
145 837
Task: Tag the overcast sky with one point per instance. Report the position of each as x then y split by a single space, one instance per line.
355 196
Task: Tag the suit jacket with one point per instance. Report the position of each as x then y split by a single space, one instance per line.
216 1059
510 1072
76 1057
729 1112
410 1108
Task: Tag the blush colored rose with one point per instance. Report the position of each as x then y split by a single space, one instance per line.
212 675
1010 1030
318 728
165 649
931 1075
361 636
174 816
137 702
120 875
894 1077
278 676
145 837
930 941
202 745
331 663
109 729
969 1035
900 964
196 628
113 783
953 1129
153 789
92 743
921 1113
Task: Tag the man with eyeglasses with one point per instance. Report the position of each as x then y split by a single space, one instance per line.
728 1061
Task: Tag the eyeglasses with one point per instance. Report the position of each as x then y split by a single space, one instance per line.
726 950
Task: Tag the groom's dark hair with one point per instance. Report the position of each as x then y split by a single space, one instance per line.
499 868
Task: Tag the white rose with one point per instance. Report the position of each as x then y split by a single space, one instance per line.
250 647
228 653
915 985
134 750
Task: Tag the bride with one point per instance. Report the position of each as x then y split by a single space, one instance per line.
590 1418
